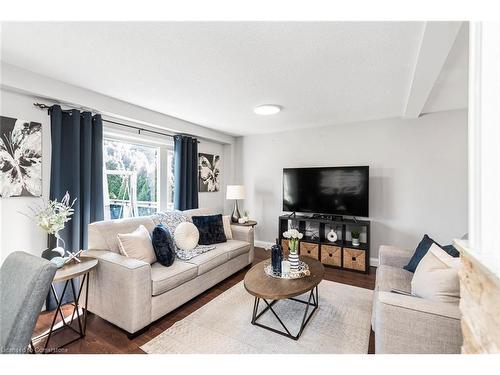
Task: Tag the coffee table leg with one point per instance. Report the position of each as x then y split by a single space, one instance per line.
313 296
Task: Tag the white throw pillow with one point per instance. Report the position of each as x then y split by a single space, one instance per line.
137 245
436 276
226 222
186 236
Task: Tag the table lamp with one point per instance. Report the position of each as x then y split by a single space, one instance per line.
235 192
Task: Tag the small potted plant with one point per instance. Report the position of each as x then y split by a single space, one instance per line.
355 237
52 218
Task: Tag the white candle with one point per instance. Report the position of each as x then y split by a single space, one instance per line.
285 267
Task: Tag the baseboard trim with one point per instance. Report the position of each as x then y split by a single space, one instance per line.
267 245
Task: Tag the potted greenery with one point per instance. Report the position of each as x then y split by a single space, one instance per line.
355 237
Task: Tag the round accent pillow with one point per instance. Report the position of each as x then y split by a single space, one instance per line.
186 236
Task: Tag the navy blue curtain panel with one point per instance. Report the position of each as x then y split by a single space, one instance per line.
185 172
76 167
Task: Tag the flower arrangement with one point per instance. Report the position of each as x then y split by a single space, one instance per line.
53 216
293 236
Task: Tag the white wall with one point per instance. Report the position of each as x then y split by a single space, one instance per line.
17 232
418 173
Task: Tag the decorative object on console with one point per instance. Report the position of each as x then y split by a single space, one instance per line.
355 237
241 220
186 236
137 245
293 236
163 245
235 192
52 218
276 258
211 229
332 236
422 249
301 271
208 167
20 158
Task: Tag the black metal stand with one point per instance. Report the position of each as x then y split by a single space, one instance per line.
313 296
81 318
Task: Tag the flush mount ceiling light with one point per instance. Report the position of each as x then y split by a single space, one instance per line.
267 109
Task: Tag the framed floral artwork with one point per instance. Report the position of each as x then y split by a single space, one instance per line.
208 171
20 158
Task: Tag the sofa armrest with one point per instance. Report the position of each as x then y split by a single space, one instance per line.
406 324
120 290
394 256
242 233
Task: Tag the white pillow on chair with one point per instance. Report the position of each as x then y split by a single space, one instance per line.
137 245
436 276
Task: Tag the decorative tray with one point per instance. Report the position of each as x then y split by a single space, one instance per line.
302 271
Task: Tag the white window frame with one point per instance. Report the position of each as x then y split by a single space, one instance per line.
484 136
164 144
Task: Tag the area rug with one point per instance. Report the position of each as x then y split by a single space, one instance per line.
341 324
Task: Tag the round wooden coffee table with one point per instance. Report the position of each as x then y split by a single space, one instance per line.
271 289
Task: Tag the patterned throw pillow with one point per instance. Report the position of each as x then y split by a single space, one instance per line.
211 229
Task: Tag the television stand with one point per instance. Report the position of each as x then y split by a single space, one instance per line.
339 254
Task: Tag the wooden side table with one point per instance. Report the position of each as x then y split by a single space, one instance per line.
249 223
68 273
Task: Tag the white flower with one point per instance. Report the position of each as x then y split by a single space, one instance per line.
300 236
286 234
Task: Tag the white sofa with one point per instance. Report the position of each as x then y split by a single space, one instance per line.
408 324
132 294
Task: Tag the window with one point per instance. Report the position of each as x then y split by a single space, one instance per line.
131 179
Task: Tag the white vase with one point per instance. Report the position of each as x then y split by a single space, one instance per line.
59 245
293 258
355 242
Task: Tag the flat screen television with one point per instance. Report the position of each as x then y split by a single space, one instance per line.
326 190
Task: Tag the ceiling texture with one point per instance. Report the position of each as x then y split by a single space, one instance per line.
214 73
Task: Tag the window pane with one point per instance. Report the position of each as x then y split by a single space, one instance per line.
132 179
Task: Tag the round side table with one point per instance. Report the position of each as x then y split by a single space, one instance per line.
68 273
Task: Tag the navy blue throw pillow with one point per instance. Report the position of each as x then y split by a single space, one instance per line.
422 249
163 245
211 229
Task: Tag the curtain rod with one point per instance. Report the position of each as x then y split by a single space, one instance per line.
139 129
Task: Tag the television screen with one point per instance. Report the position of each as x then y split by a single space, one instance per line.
326 190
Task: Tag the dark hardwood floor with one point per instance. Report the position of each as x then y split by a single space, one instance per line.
104 337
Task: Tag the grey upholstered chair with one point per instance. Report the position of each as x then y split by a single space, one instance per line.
24 283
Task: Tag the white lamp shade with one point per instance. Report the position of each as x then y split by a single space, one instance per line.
235 192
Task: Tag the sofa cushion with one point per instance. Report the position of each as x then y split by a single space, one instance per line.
222 253
436 277
137 245
163 244
389 278
164 278
211 229
234 247
422 249
210 259
103 234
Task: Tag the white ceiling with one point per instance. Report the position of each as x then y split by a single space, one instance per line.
213 74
